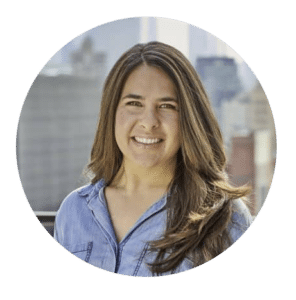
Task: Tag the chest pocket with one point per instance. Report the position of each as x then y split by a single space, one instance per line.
82 251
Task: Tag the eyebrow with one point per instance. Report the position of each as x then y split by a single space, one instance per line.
138 97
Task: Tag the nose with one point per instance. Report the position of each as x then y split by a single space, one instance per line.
149 119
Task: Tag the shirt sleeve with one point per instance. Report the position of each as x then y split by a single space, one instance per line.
240 221
69 217
57 228
55 233
63 219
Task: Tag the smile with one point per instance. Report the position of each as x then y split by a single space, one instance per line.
146 141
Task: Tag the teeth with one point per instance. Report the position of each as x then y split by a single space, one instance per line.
146 141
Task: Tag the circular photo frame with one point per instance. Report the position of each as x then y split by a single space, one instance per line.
146 146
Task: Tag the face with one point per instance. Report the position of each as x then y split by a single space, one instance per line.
147 119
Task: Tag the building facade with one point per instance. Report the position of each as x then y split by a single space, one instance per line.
254 163
55 135
220 78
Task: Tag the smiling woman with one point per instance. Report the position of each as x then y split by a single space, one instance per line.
159 201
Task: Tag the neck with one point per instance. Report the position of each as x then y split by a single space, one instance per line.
133 178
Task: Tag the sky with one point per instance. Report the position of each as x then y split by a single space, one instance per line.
116 37
178 34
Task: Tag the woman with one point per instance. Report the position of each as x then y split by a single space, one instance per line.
159 201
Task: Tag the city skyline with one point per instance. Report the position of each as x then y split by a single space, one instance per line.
116 37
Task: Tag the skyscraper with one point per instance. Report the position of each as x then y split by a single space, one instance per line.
220 77
252 143
57 126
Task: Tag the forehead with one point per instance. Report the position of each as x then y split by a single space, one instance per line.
149 80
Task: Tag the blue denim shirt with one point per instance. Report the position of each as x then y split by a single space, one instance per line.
83 226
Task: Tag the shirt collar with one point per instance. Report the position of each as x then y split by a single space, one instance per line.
96 201
91 190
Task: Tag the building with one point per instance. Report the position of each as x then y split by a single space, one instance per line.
86 62
241 166
55 136
220 78
262 124
234 119
252 141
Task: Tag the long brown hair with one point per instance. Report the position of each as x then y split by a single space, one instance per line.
199 204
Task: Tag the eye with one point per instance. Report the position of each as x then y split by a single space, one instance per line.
169 106
134 103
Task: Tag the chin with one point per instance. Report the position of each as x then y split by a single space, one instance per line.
150 163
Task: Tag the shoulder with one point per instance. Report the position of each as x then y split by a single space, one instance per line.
75 198
80 196
74 209
240 221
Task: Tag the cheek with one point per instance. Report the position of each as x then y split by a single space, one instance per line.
175 129
122 124
121 119
175 134
173 125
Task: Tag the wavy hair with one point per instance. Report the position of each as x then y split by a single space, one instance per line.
199 204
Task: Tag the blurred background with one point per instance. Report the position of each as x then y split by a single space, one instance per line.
60 113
